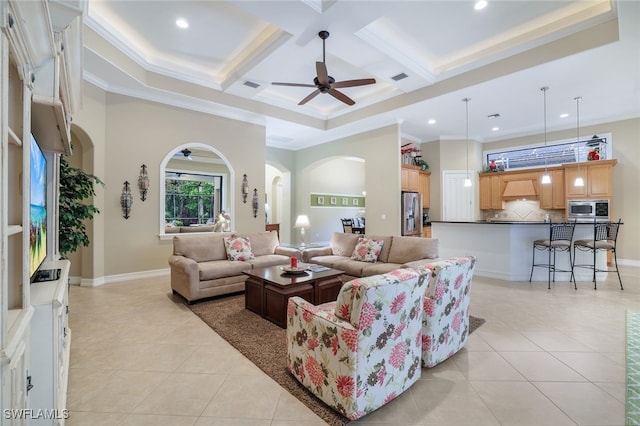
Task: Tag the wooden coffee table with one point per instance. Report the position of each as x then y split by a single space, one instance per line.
267 290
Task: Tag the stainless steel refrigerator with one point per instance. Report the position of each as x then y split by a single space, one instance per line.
412 213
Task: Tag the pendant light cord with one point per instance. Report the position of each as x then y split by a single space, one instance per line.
544 92
578 99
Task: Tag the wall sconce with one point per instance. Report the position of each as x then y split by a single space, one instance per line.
126 200
254 202
143 182
245 188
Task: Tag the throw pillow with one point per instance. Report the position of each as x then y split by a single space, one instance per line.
238 248
367 250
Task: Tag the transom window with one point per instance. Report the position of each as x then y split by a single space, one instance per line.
552 154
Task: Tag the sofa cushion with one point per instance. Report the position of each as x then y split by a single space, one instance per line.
269 260
367 250
330 261
262 242
200 248
350 267
221 269
238 248
407 249
343 244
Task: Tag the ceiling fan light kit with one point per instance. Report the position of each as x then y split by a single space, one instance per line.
324 83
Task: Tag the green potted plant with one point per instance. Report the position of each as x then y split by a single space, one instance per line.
75 187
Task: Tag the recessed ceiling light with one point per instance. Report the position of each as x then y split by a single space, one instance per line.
480 4
182 23
565 115
432 121
495 129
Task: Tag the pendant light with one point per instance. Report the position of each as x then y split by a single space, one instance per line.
467 181
579 181
546 178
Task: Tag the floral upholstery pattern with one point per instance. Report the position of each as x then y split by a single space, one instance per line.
445 320
367 250
238 248
362 351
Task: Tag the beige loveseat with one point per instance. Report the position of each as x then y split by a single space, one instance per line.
397 252
200 267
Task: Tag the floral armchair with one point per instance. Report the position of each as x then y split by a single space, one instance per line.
445 320
362 351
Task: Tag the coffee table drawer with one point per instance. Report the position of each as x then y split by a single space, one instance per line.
276 299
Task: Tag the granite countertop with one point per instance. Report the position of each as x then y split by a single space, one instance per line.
495 222
506 222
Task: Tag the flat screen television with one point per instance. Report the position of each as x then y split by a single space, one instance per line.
37 210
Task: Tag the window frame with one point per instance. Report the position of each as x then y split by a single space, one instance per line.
581 158
226 177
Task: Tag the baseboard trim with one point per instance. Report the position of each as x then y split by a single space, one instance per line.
96 282
629 262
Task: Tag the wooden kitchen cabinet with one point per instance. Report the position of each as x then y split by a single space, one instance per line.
424 180
490 191
597 176
426 232
410 178
552 195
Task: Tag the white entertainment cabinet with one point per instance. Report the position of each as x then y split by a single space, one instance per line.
40 86
50 344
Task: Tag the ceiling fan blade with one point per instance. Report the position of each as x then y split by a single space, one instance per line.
352 83
321 70
311 96
294 84
341 97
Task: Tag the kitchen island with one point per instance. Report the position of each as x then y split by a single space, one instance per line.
504 249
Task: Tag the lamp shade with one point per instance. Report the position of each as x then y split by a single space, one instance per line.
302 221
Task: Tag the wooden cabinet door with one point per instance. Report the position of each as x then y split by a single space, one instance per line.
404 179
571 191
490 192
425 181
546 192
552 195
557 187
496 192
599 180
485 192
414 180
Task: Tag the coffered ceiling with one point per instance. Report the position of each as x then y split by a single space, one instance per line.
500 57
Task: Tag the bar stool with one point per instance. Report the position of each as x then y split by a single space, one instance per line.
605 235
560 237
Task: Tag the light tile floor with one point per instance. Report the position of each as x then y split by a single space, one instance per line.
544 357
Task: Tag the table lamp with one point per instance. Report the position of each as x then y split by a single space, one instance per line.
302 221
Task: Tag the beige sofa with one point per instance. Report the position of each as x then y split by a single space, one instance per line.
200 268
397 252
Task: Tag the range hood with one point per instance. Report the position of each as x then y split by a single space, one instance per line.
515 189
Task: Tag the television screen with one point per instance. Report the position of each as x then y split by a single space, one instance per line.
38 209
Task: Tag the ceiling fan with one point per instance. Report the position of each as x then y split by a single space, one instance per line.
324 83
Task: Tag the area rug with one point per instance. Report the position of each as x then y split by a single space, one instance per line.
262 342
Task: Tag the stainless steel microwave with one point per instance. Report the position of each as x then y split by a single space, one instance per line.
588 210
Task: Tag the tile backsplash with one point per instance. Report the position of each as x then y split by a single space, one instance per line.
523 210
